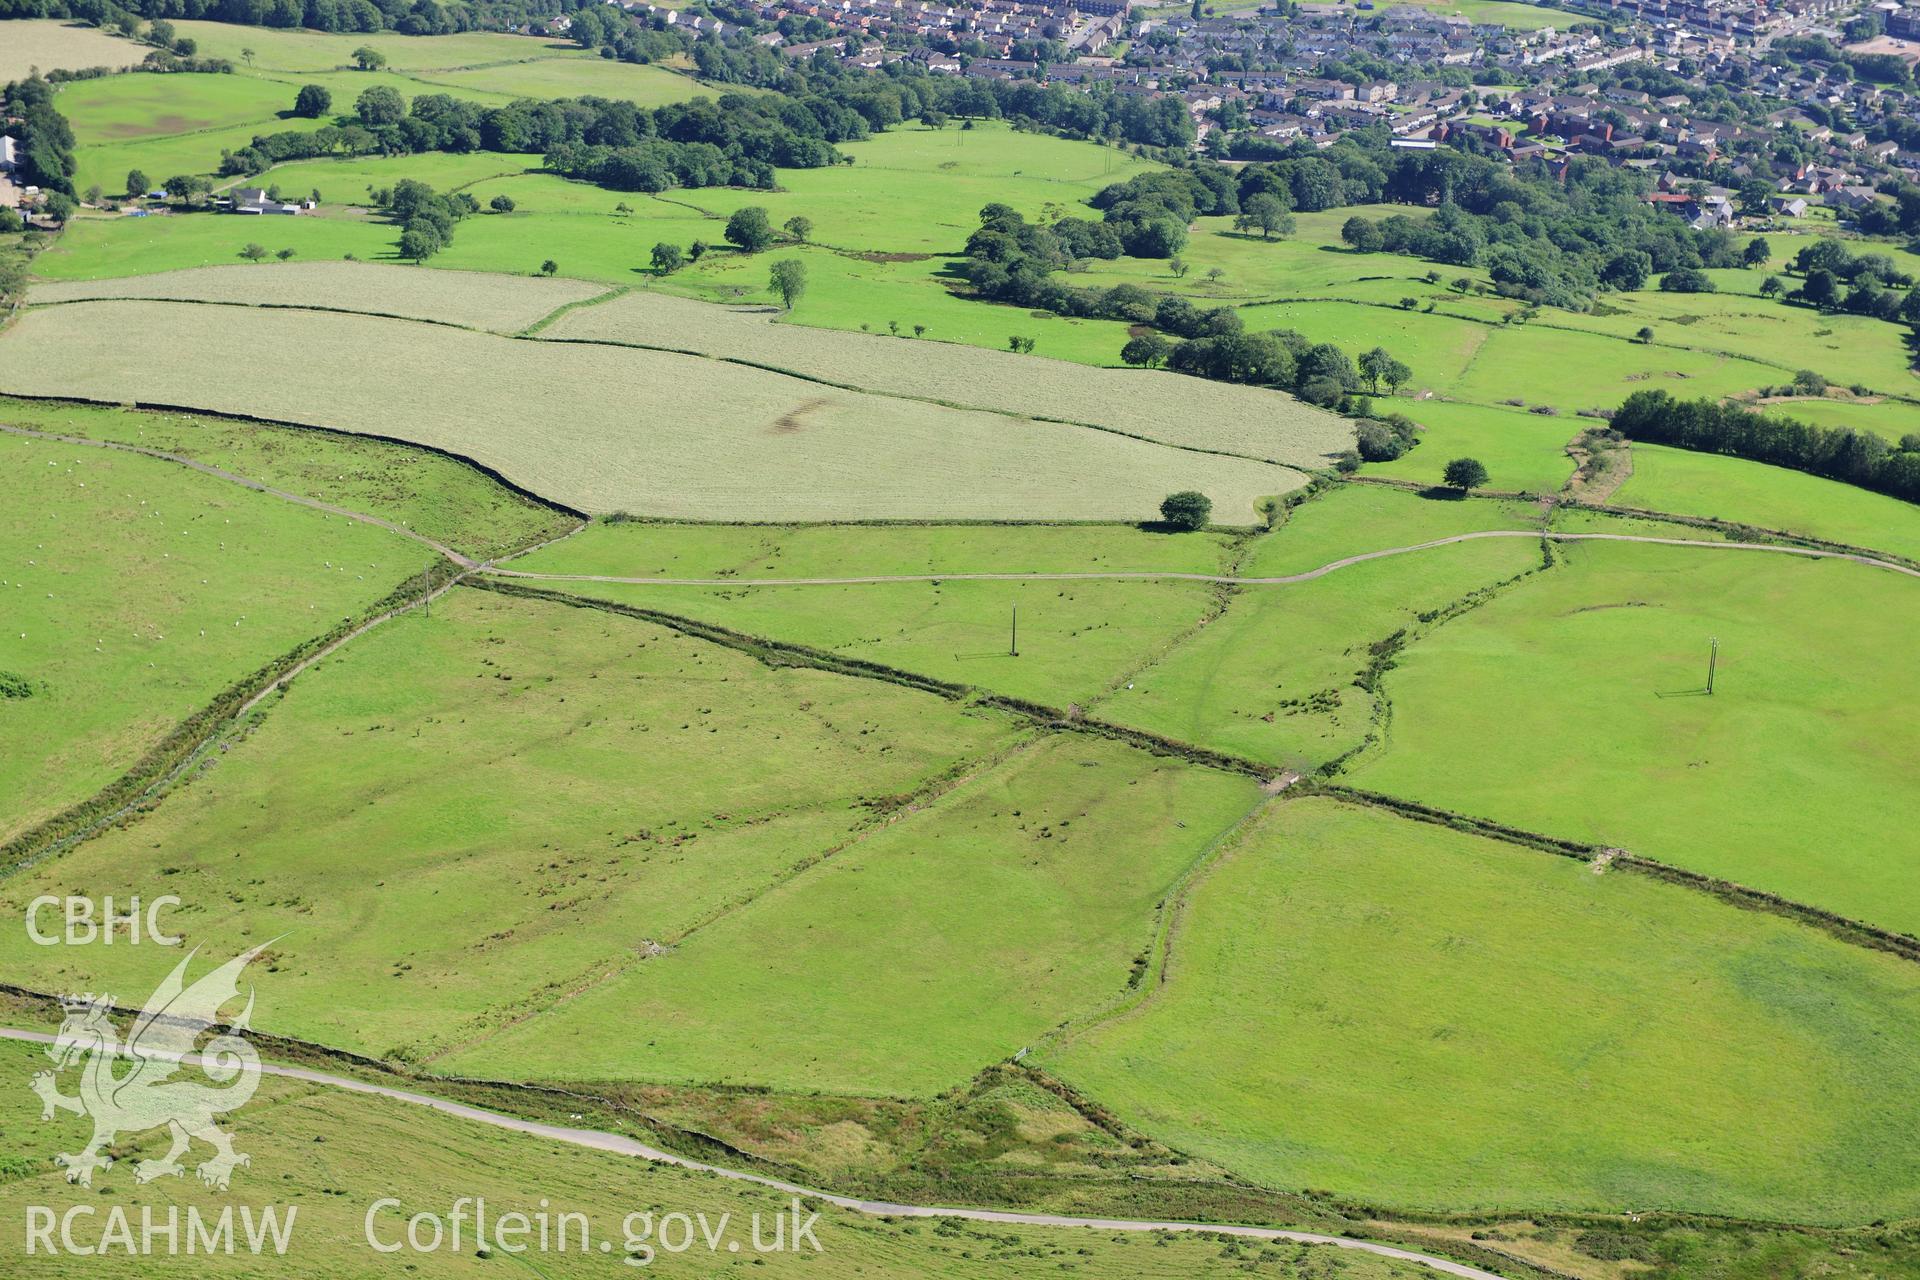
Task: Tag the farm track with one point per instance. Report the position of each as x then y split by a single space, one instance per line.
1215 578
620 1144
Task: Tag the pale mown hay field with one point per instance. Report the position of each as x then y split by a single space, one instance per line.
608 429
47 45
1170 407
477 300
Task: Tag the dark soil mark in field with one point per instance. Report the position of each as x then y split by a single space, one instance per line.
794 419
155 125
876 255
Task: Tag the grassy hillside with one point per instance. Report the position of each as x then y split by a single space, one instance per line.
135 591
946 942
439 498
1394 1011
1574 704
1704 484
561 790
331 1155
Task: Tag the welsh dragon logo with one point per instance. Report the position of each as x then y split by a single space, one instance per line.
146 1094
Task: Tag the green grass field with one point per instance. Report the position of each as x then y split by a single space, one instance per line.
606 429
647 549
813 915
946 942
448 501
1397 1012
1574 705
1521 451
1075 638
561 789
122 108
1888 419
1705 484
278 50
1275 677
135 591
1845 349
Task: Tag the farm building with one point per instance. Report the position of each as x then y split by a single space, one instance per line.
256 201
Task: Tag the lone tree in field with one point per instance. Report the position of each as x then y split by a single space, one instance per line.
1464 474
501 204
799 227
1378 366
137 184
1266 213
313 101
1146 351
788 279
1189 509
668 258
420 243
254 252
749 229
368 58
549 267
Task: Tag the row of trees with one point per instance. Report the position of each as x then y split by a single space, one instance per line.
426 217
409 17
1839 453
46 141
734 141
749 230
1219 347
1010 259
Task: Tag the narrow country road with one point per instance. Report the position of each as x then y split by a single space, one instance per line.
620 1144
1227 580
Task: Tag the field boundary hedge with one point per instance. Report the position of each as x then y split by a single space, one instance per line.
1734 530
782 653
169 758
1845 928
269 306
157 406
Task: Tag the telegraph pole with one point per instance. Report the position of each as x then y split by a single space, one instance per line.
1713 661
1013 643
426 585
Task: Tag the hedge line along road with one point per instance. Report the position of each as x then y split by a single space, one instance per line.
620 1144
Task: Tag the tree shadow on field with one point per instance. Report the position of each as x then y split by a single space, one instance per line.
1441 493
